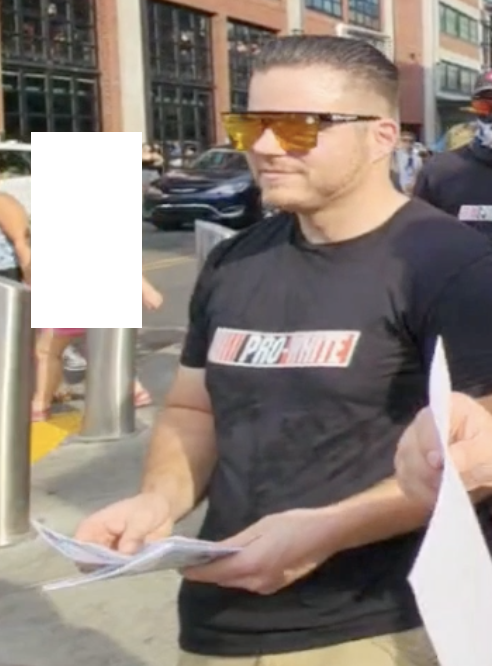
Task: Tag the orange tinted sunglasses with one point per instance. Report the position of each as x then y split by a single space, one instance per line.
295 132
482 106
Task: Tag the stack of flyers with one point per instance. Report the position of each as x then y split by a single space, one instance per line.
173 553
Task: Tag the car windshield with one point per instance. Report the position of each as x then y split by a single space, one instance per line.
220 159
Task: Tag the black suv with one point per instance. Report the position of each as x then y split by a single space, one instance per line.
218 187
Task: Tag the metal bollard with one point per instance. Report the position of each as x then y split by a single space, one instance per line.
109 405
16 385
207 235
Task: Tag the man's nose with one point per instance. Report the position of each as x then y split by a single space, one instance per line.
267 144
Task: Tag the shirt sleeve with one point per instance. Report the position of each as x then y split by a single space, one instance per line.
197 340
462 315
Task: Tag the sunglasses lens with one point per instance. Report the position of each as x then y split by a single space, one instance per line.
243 130
482 107
295 133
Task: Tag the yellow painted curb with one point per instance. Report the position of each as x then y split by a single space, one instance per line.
168 262
48 435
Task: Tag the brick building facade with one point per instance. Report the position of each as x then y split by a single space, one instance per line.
169 69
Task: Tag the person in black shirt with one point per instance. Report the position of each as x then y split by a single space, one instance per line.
307 356
459 182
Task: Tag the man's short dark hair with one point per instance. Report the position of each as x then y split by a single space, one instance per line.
362 62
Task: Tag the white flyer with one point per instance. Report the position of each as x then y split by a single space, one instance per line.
452 575
172 553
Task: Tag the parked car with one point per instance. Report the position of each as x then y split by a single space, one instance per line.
218 187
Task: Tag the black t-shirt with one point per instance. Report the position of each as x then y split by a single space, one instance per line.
317 357
459 182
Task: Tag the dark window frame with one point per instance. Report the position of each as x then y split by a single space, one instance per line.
329 7
366 14
451 22
51 116
244 40
181 79
464 76
42 37
177 51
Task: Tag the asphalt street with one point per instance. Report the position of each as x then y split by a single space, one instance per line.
169 264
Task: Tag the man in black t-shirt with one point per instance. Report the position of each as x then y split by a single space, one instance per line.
307 356
459 182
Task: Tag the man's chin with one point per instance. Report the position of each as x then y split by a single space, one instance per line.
282 199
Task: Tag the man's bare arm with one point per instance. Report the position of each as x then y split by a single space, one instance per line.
384 512
182 453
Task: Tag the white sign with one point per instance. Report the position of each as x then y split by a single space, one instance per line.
452 576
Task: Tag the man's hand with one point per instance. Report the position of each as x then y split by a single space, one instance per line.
276 551
419 461
128 525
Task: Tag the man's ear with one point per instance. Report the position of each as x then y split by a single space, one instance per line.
384 138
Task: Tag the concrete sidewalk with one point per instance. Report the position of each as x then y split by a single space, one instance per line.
127 622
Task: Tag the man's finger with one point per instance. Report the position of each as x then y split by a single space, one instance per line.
472 464
435 459
218 572
130 545
132 538
419 481
97 531
242 539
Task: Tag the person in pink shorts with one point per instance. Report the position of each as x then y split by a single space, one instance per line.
50 345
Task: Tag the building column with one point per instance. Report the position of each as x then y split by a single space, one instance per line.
220 64
388 26
430 63
295 16
109 69
132 65
2 110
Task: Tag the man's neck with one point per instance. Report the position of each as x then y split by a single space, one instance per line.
354 215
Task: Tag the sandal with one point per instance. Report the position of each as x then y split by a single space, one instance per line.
39 415
142 398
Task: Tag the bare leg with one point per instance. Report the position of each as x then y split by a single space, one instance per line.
141 396
49 368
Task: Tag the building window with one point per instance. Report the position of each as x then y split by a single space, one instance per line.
180 59
330 7
245 42
456 79
61 32
458 25
366 13
48 102
50 71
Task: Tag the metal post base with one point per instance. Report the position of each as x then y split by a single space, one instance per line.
109 404
16 382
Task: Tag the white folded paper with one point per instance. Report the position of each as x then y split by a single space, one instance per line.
173 553
452 576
